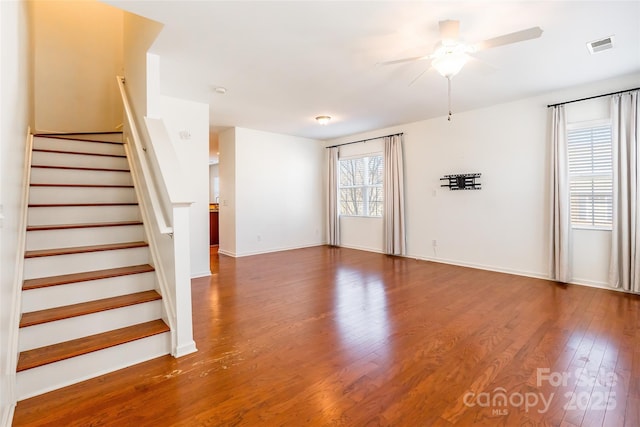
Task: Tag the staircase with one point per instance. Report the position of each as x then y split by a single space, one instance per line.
89 299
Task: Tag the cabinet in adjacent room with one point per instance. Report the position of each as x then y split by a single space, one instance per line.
213 228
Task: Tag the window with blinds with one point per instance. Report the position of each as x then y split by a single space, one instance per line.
360 186
590 176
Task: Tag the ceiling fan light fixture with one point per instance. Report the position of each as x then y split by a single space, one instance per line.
323 120
449 63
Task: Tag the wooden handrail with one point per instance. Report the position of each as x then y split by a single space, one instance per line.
141 151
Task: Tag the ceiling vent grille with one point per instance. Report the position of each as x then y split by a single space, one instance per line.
600 45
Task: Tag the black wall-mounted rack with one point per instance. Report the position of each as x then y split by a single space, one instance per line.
462 181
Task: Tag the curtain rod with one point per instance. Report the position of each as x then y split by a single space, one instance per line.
592 97
365 140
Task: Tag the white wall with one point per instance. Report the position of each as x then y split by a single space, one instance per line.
15 93
504 226
227 211
214 182
138 36
192 118
142 71
278 192
78 52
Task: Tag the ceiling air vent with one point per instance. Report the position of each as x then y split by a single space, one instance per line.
600 45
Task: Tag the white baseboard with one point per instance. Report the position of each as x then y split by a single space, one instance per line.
482 267
599 285
591 283
201 274
185 349
578 281
227 253
267 251
7 399
364 248
6 414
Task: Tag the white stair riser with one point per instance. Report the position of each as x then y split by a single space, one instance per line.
103 136
68 195
78 263
74 176
78 146
74 293
82 326
78 160
33 382
82 215
48 239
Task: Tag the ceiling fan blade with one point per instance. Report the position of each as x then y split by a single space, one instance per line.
400 61
419 75
449 30
518 36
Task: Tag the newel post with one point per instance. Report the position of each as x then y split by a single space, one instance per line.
183 338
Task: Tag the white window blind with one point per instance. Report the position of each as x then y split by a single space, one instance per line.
590 176
360 186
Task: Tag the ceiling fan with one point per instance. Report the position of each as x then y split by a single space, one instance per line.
451 53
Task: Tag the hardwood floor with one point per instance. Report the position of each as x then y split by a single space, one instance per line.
326 336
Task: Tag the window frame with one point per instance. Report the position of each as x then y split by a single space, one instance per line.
589 124
365 187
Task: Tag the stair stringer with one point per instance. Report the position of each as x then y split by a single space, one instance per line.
160 247
9 371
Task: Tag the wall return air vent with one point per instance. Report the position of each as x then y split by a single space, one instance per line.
600 45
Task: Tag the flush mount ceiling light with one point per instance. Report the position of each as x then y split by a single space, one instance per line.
219 89
323 120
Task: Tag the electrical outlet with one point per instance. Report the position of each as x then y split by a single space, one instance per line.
434 243
259 238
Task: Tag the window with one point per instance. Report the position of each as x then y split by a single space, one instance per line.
590 176
360 186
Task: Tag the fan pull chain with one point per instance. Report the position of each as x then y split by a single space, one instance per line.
449 94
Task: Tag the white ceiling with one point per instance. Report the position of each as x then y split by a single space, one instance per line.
284 63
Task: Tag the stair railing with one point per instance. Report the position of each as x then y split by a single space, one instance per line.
160 187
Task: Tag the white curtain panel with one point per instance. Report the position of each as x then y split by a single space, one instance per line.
394 223
624 268
560 253
333 218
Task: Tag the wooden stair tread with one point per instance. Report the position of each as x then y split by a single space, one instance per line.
106 132
89 307
61 205
81 225
66 350
80 168
84 185
81 153
83 249
43 282
85 137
